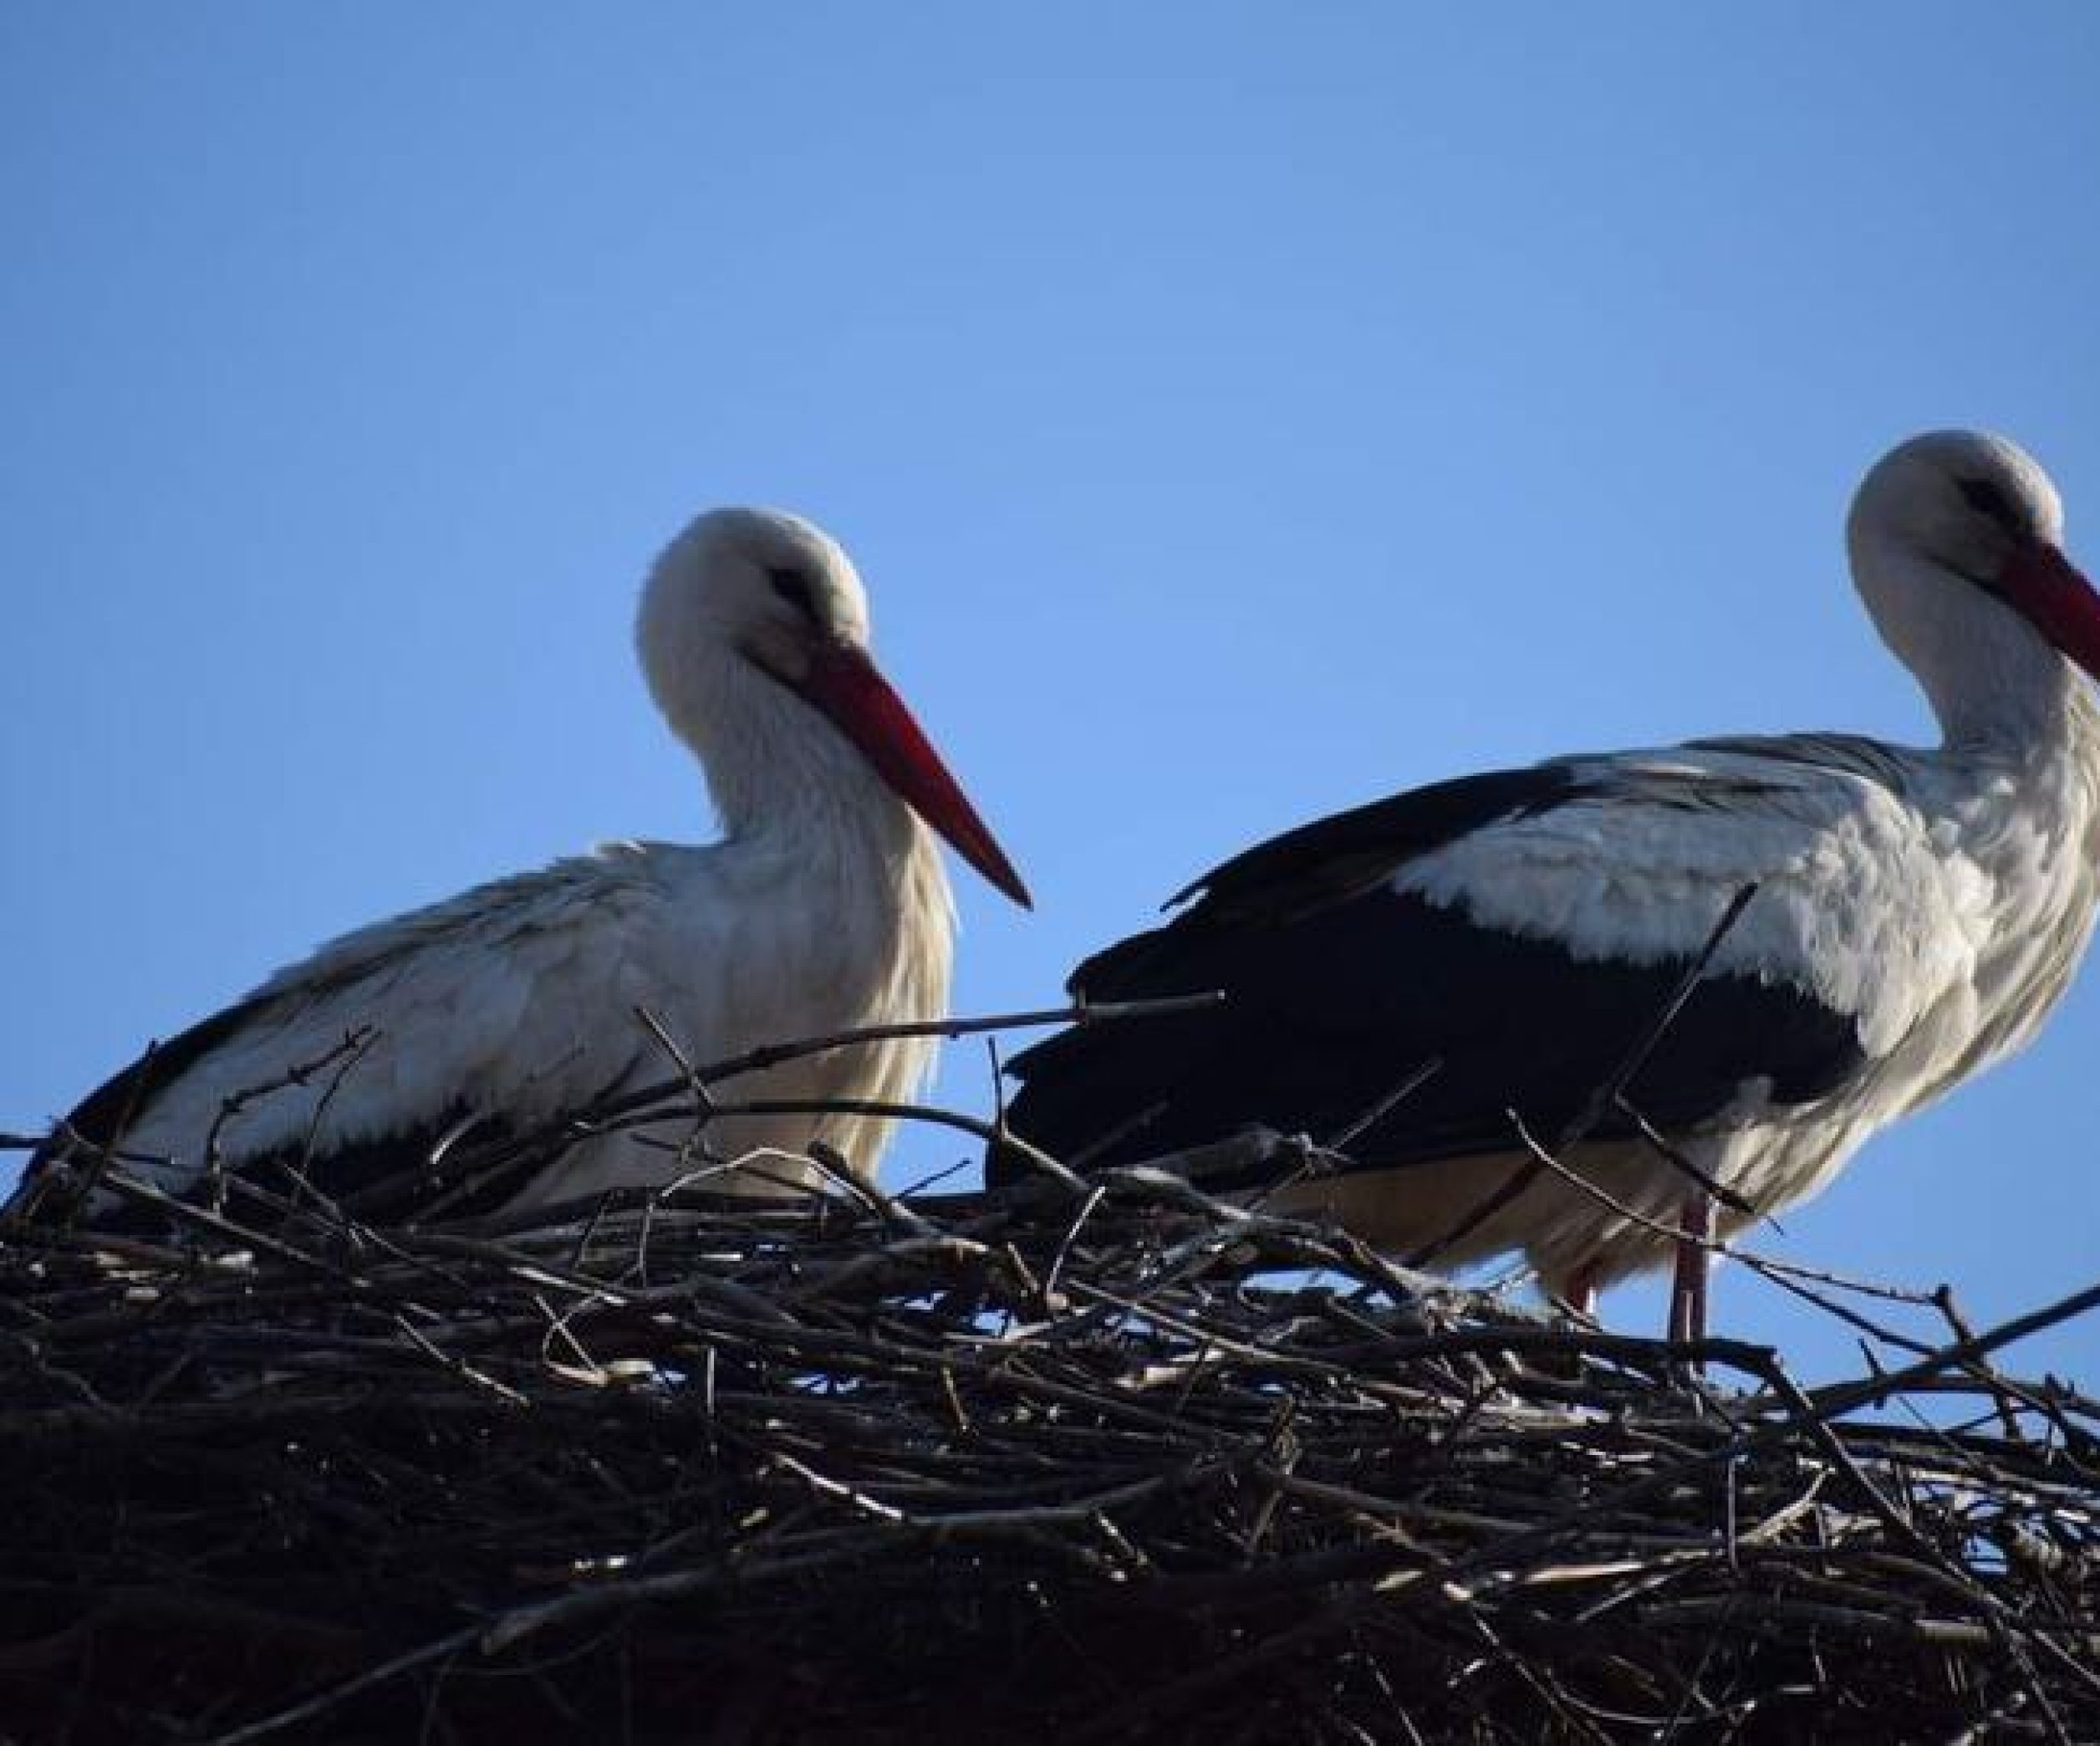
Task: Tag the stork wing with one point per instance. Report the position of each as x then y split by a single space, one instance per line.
355 1064
1515 935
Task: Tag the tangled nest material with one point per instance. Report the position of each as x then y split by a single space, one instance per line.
1107 1460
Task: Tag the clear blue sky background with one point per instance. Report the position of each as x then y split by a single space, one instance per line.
1238 411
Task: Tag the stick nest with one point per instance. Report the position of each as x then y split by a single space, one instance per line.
1108 1461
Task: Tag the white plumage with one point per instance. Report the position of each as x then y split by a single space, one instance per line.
824 907
1878 901
1916 914
1944 922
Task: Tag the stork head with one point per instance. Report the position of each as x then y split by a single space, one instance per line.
1956 544
753 633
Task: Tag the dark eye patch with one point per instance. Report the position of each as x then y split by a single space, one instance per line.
1986 497
795 587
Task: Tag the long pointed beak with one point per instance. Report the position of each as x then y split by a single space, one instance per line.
845 684
2046 588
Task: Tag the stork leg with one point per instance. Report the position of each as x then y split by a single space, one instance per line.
1581 1294
1694 1266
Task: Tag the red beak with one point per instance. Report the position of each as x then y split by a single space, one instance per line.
844 683
2046 588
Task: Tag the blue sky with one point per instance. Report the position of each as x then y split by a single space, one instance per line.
1238 411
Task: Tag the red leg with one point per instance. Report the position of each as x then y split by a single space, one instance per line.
1688 1284
1581 1294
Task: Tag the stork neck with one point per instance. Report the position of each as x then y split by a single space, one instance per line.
1992 679
2034 703
782 775
831 814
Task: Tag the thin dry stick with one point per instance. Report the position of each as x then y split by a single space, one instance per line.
820 1450
774 1054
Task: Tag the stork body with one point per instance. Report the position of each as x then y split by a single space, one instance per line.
1506 944
824 908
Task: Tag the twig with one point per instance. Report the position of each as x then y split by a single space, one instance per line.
835 1455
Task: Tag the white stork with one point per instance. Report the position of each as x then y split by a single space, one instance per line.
824 908
1501 948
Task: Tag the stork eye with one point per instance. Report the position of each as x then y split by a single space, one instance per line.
794 587
1985 498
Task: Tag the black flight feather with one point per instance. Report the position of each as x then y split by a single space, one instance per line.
1338 988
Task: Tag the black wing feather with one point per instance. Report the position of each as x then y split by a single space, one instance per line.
1338 988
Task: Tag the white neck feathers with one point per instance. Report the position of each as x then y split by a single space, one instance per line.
1991 676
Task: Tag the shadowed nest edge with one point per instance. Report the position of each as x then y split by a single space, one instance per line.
1102 1460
